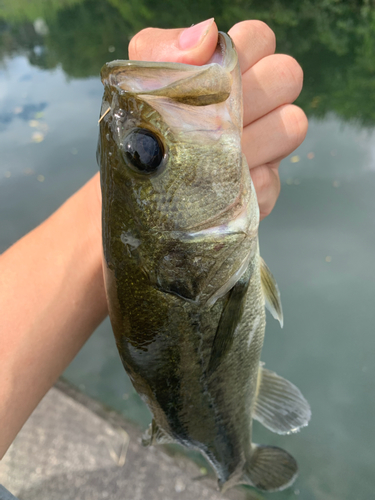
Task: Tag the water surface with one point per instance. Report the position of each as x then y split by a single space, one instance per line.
319 240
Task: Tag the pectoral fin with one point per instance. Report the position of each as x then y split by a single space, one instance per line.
279 405
229 320
271 292
155 435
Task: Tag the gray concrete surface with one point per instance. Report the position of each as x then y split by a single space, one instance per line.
72 448
5 494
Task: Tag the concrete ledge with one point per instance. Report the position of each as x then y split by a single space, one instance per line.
5 495
73 448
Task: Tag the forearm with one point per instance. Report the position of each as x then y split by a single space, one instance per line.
51 299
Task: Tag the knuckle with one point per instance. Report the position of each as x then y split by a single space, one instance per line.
267 185
296 124
264 211
264 31
258 31
263 178
266 207
287 75
293 71
137 44
277 185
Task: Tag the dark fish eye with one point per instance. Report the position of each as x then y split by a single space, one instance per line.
143 151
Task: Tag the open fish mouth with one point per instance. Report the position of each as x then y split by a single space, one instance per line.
138 77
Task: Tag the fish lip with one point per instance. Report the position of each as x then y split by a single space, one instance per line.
225 44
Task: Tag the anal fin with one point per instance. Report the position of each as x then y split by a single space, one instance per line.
270 469
280 405
155 435
271 292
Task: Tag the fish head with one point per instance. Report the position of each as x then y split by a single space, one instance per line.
176 187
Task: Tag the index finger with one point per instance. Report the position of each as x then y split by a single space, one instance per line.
253 40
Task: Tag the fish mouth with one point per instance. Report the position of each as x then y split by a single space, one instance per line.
175 80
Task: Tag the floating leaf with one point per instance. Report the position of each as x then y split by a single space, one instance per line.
37 137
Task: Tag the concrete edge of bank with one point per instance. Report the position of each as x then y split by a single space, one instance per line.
75 448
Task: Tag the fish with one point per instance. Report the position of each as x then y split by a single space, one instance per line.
185 283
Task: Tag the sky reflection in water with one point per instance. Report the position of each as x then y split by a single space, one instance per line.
319 241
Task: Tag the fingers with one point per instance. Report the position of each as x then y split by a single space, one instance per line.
274 136
275 80
273 127
253 40
265 142
194 45
267 186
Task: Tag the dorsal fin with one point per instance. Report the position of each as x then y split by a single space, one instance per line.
271 293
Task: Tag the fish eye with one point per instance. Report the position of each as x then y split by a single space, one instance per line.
143 151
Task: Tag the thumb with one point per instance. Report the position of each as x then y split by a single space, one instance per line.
194 45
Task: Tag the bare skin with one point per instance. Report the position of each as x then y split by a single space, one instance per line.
52 292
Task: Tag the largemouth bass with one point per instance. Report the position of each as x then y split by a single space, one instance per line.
185 283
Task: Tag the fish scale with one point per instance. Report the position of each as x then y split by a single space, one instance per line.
185 283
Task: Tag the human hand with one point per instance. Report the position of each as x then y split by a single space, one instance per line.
273 127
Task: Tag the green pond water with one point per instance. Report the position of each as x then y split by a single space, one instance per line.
319 240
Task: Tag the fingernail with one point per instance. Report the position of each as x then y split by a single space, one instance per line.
193 36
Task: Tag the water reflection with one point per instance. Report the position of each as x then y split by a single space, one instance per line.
319 240
334 41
